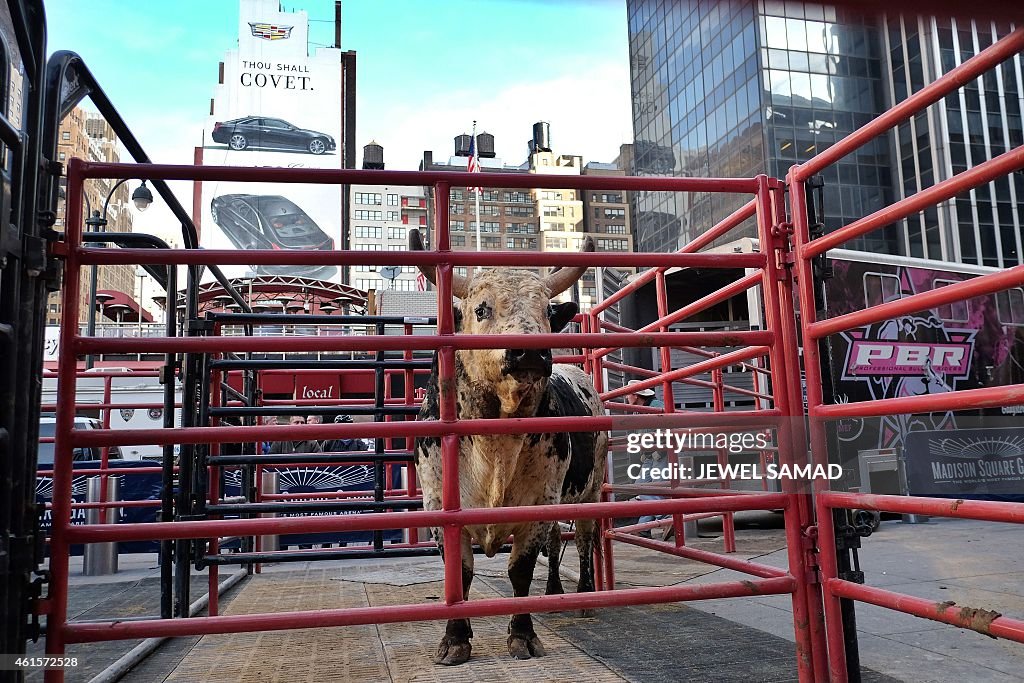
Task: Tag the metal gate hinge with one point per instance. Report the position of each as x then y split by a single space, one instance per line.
34 254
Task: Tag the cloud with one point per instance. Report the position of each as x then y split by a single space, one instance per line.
588 110
167 138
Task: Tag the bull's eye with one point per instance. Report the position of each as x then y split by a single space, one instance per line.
483 312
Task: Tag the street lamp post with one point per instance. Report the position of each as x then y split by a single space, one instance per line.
97 222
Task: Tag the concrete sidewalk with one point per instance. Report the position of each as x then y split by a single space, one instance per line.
972 563
978 564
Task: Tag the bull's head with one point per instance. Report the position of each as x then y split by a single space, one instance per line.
504 301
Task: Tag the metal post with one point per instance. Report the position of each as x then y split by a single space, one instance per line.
776 283
63 457
169 378
100 559
269 483
94 221
379 391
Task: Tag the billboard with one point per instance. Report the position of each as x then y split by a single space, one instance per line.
966 463
963 345
275 105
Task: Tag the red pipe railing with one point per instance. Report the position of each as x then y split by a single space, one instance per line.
680 501
813 330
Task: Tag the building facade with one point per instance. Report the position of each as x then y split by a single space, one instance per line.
981 121
381 217
515 219
738 88
88 136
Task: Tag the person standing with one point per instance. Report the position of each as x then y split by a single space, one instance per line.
301 446
650 460
344 445
267 421
315 420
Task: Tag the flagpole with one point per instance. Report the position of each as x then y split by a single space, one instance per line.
476 151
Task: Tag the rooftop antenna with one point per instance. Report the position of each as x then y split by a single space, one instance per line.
390 273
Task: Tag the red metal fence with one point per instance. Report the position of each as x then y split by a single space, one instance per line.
781 270
814 330
680 501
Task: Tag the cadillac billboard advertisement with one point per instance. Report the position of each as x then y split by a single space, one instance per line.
964 345
276 105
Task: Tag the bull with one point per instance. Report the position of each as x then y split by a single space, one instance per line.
499 470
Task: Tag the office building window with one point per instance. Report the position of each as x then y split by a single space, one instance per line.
612 244
368 232
368 198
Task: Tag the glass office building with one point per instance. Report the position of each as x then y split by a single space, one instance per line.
739 88
981 121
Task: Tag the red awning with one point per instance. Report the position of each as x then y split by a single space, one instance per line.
118 306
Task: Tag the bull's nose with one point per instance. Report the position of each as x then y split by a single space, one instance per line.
528 359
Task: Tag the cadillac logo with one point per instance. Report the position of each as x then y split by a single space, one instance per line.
270 31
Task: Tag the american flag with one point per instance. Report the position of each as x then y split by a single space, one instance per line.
474 163
421 282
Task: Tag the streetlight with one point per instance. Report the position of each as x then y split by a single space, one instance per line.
97 222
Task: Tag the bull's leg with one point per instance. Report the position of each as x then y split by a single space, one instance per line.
455 647
586 541
554 586
523 642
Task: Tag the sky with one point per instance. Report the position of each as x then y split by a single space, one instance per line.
425 70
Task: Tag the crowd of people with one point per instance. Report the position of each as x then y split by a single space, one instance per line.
273 447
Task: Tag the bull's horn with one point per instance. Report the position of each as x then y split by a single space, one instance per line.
460 284
564 278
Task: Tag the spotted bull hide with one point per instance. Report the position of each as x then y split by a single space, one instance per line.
514 470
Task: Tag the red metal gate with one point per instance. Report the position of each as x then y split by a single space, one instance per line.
773 343
813 330
782 272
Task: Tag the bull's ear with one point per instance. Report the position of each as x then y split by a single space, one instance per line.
560 314
458 318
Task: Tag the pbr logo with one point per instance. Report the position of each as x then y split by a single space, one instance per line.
270 31
127 414
911 355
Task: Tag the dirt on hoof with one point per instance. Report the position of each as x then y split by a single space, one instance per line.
521 647
452 653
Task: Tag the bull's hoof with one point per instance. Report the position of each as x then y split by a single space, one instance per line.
554 588
452 652
523 647
584 613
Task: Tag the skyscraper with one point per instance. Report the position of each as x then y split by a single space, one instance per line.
737 88
980 121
